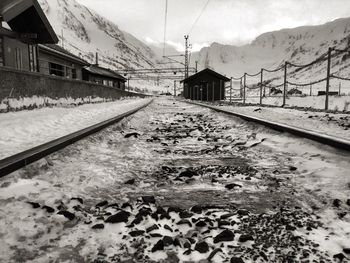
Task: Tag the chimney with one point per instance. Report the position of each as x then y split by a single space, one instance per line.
96 59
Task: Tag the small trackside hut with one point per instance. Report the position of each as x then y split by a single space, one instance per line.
206 85
103 76
23 25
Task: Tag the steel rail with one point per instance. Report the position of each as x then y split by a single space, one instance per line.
20 160
321 138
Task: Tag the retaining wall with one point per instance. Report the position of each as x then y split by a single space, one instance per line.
24 90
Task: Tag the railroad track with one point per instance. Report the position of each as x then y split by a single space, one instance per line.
318 137
20 160
190 185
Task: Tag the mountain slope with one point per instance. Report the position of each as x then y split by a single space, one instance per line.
84 32
299 45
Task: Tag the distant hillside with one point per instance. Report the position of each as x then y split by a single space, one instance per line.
270 50
85 32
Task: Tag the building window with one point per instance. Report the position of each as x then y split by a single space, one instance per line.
33 59
56 69
105 82
1 52
74 73
18 58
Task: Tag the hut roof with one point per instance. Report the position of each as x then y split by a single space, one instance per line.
206 71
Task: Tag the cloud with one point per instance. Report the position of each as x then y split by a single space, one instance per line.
225 21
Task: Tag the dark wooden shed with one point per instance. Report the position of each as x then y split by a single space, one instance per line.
206 85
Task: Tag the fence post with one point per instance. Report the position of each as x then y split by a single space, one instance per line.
310 89
231 90
285 84
244 83
261 85
339 88
328 76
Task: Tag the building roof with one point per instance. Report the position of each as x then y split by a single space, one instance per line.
27 17
96 70
61 52
206 71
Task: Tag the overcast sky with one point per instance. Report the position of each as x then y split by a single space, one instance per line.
234 22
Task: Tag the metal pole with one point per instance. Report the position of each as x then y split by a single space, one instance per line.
220 91
261 84
328 76
174 88
213 91
285 84
231 90
128 84
244 83
186 56
339 87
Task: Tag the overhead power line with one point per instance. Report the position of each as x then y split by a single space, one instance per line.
200 14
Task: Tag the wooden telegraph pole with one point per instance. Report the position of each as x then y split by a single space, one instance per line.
328 77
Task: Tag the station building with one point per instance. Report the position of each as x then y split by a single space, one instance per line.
23 25
206 85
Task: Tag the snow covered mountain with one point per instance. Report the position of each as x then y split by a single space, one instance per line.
270 50
84 32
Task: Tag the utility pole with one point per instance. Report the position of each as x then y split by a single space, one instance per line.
328 76
174 88
196 66
186 56
62 38
285 84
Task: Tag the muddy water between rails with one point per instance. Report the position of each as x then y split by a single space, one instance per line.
177 182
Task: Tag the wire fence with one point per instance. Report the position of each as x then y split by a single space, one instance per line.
282 86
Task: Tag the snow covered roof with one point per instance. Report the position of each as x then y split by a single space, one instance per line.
94 69
57 50
206 71
27 17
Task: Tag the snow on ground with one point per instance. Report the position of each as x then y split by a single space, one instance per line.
284 172
331 124
23 130
13 104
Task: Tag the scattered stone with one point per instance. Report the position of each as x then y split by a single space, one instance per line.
131 181
346 250
245 238
167 240
67 214
48 209
224 236
34 204
187 252
122 216
293 168
132 134
98 226
336 203
243 212
152 228
213 253
149 199
202 247
188 174
168 228
184 222
185 214
232 186
339 256
136 233
236 260
101 204
158 246
348 202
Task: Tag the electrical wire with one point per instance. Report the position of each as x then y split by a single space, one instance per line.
201 13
